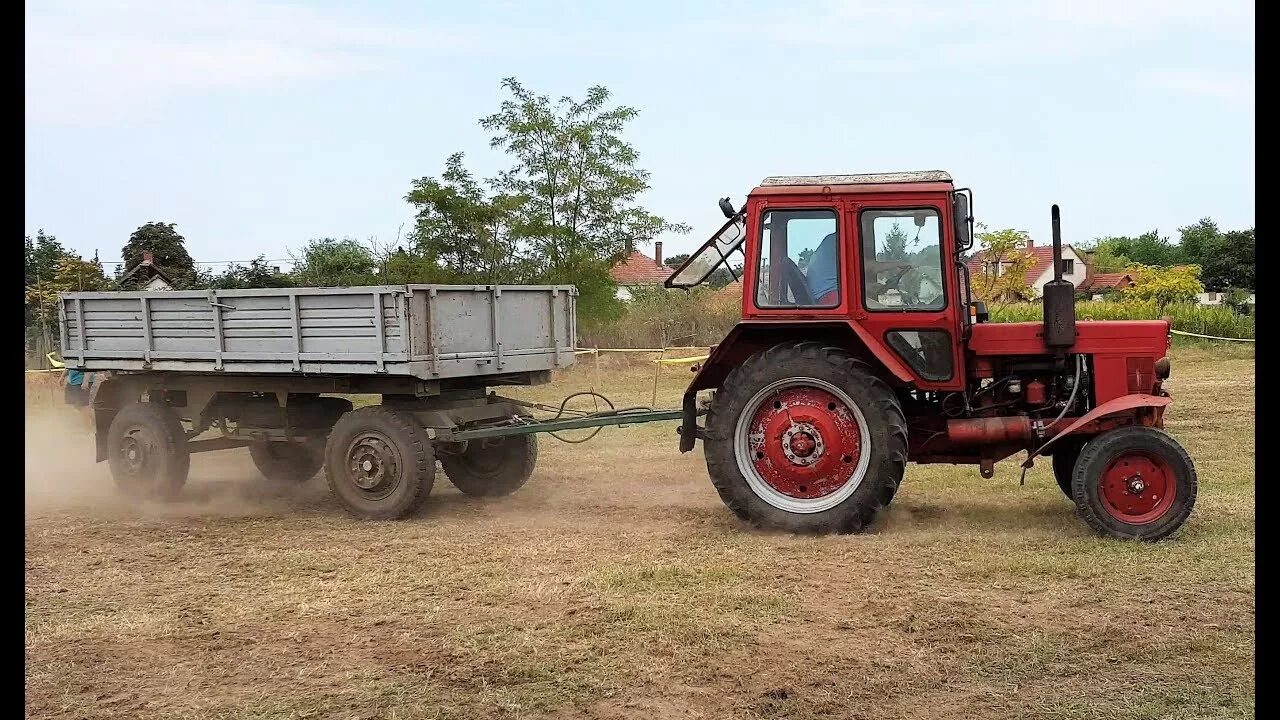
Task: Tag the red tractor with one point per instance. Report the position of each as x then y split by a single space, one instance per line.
861 348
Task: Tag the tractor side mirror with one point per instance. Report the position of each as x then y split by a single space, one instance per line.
726 207
962 214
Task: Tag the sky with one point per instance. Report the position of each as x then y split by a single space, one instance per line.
257 126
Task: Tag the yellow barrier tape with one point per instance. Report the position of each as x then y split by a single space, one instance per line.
677 361
1210 337
588 351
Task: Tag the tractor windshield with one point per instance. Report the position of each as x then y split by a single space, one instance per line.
713 253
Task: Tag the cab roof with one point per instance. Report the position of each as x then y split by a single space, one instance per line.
917 180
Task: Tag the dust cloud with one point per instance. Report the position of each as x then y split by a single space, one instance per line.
61 476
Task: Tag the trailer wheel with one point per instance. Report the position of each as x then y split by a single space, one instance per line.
1065 454
288 463
1134 483
498 468
806 438
147 451
379 463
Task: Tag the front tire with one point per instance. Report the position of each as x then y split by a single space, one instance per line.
148 453
499 468
1065 454
379 463
806 438
1134 483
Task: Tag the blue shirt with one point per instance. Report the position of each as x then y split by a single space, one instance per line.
820 276
75 378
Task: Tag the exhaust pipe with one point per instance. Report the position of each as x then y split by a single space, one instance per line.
1059 299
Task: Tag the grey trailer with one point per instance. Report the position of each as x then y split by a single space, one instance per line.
193 371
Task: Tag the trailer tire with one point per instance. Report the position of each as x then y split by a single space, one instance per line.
492 470
147 451
1063 460
288 463
1134 483
831 470
379 463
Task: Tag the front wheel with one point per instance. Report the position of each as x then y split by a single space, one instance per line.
1134 483
806 438
1063 460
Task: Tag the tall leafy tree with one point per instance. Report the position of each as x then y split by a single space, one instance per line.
166 245
41 257
579 183
465 233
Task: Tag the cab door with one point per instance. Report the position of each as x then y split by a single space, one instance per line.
903 290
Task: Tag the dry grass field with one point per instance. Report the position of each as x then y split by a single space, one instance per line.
616 585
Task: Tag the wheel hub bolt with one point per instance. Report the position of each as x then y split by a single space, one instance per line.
1136 486
367 465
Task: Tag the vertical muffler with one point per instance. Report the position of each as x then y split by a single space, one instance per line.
1059 299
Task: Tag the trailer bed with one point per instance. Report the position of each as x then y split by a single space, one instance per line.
429 332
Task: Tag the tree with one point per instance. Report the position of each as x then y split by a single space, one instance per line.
463 231
42 256
329 262
1228 261
72 275
167 248
257 274
895 245
676 260
1179 283
1005 261
1148 248
578 184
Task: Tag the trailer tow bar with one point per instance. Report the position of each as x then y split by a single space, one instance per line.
612 417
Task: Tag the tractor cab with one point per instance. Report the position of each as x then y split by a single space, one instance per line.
879 249
860 349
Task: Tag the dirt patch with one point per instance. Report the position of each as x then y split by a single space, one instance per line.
616 585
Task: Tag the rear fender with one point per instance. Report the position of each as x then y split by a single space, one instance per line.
748 338
1122 405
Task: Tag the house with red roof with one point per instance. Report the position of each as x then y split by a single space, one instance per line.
638 269
1040 271
1098 285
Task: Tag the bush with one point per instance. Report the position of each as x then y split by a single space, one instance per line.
657 317
669 318
1187 317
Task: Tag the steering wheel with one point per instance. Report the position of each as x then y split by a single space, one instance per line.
795 280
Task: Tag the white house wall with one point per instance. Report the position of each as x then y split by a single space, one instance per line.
1076 276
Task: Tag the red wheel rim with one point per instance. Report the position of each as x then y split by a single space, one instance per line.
805 442
1137 487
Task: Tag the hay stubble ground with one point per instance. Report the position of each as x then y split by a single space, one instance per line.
616 585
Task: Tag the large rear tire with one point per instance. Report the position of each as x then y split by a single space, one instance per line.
1134 483
379 463
147 451
806 438
499 468
288 463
